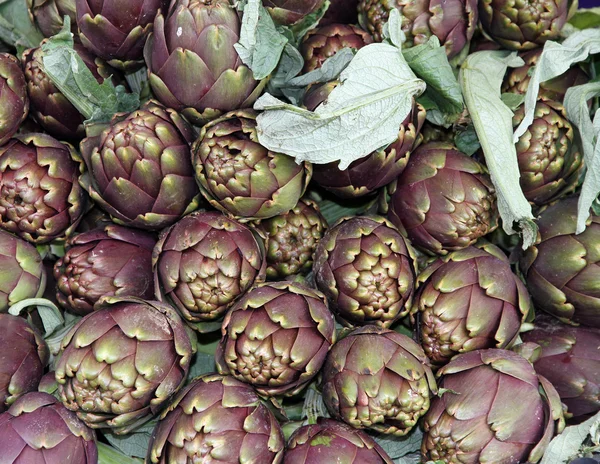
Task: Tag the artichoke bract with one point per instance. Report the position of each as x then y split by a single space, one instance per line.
14 102
549 159
120 365
139 168
469 300
204 262
367 271
288 12
561 270
292 239
22 273
276 338
192 64
108 261
216 419
49 15
324 42
40 195
443 200
452 21
364 176
240 177
117 31
52 110
495 408
575 350
332 441
38 429
523 24
378 379
22 361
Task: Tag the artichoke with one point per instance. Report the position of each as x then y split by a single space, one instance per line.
379 379
203 263
240 177
120 365
517 79
38 429
523 24
276 338
193 66
481 417
139 168
52 110
549 158
469 300
444 200
40 196
22 273
561 270
330 441
22 361
14 102
324 42
452 21
288 12
292 239
366 269
366 175
216 419
117 31
340 12
49 15
108 261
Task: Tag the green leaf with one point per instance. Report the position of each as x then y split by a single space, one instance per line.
481 77
466 140
201 364
566 445
398 447
16 27
110 455
512 100
586 18
49 313
334 209
289 66
134 444
309 22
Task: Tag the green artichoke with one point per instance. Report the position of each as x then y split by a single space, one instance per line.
49 15
549 158
108 261
23 359
37 429
469 300
292 239
494 409
379 379
193 66
575 350
116 30
119 366
22 273
364 176
139 168
523 24
561 269
288 12
40 196
52 110
203 263
276 338
517 79
444 200
452 21
216 419
367 271
14 102
324 42
330 441
240 177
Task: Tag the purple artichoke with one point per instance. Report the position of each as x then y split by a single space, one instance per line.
108 261
14 102
40 195
340 12
276 338
216 419
49 15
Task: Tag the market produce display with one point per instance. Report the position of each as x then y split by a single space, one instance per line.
299 232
